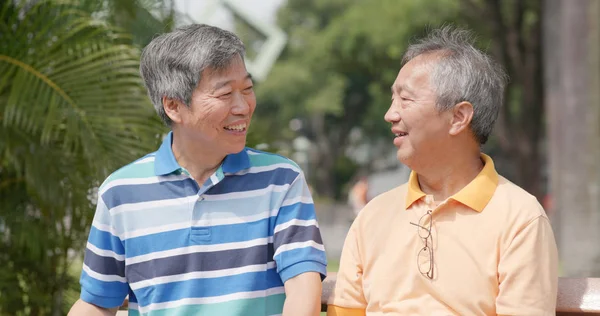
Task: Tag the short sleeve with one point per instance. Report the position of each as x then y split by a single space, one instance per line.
348 296
297 243
528 272
103 281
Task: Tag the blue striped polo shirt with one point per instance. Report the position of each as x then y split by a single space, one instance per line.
223 248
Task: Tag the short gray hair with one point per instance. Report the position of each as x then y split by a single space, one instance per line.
463 73
172 64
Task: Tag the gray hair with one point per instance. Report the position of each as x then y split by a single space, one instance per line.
172 64
463 73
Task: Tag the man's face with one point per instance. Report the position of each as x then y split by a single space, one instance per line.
420 129
221 108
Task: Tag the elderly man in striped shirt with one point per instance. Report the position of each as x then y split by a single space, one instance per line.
204 225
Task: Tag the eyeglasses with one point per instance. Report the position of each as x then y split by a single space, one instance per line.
425 255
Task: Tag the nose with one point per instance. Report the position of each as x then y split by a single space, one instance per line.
241 106
392 115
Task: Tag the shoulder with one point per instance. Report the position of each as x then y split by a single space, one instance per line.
515 199
512 209
260 158
140 168
395 196
382 207
270 164
278 174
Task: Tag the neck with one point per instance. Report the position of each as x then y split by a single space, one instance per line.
198 161
448 175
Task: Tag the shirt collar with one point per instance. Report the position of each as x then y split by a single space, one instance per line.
165 162
236 162
475 195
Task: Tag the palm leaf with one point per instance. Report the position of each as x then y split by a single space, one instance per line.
51 96
72 109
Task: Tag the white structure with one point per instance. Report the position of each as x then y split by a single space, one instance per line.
259 14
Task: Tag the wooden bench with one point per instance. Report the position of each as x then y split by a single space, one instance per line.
575 296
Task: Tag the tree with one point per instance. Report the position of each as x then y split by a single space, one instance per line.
336 73
141 20
514 28
72 109
572 82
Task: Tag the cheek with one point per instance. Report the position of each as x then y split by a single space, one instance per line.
252 108
251 101
424 129
436 130
213 116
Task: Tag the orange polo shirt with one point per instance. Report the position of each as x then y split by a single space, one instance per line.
493 253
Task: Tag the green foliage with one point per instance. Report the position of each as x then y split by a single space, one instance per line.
141 20
336 72
344 171
72 110
345 52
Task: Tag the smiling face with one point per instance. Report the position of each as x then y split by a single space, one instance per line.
420 130
219 114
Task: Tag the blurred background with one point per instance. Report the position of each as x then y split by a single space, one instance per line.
73 109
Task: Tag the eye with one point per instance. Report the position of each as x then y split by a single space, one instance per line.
225 95
248 90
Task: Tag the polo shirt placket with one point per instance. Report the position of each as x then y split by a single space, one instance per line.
201 234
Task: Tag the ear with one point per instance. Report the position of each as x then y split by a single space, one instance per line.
462 114
173 109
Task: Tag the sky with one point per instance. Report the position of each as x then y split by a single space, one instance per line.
211 12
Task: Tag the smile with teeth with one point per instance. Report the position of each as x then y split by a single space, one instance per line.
236 128
401 134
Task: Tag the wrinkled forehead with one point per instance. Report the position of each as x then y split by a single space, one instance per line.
224 68
415 74
234 71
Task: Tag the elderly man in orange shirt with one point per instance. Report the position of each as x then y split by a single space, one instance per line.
457 239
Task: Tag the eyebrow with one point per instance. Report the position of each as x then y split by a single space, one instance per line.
400 89
221 84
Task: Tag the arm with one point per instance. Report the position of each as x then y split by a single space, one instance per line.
528 272
103 283
82 308
299 252
303 295
348 296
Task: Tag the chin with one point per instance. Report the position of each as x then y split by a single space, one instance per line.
234 149
404 158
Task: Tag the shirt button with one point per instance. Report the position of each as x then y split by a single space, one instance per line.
429 199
